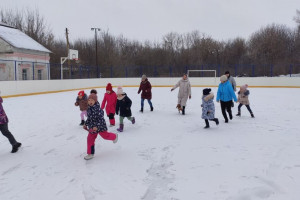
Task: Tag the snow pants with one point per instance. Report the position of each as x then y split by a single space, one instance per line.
111 117
226 106
82 114
92 137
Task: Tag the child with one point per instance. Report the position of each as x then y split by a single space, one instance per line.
93 91
95 124
243 95
208 107
4 129
110 99
123 105
81 101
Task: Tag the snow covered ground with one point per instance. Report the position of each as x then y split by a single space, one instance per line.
163 156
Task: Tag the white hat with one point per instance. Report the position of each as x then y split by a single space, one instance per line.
223 78
120 90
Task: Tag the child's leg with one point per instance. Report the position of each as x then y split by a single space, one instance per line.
82 114
107 135
121 120
223 108
91 143
206 123
7 133
239 107
228 108
132 119
111 117
249 109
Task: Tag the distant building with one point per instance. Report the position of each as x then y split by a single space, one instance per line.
21 57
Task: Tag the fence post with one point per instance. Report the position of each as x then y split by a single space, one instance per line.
170 70
202 71
49 77
186 69
15 70
155 71
271 70
253 68
111 72
291 68
80 72
33 71
141 70
235 70
126 72
218 70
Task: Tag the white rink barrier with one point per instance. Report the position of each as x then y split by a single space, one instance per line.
21 88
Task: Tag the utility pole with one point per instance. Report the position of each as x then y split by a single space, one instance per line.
96 29
68 47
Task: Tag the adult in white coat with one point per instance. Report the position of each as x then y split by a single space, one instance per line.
184 93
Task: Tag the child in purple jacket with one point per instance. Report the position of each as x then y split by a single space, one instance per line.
4 129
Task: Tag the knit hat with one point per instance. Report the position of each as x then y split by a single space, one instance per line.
94 97
243 87
109 87
81 93
144 77
120 90
223 78
93 91
206 91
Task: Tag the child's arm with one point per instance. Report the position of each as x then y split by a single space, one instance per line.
175 86
140 88
77 102
103 102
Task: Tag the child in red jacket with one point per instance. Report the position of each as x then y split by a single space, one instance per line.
82 102
110 99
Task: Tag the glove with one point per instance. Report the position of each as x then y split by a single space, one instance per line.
190 96
117 113
84 127
76 104
172 89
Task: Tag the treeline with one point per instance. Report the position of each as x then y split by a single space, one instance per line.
276 46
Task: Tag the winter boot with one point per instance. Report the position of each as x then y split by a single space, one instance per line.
183 110
89 157
121 128
142 110
116 140
206 123
252 115
133 120
112 122
151 109
216 120
82 123
15 147
238 114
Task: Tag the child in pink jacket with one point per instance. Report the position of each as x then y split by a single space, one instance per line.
110 99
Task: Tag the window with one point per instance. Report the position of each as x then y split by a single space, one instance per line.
24 74
39 74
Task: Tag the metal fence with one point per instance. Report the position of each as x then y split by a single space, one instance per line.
25 70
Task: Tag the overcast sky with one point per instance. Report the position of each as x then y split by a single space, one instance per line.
151 19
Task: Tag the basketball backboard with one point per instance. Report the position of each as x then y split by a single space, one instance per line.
73 54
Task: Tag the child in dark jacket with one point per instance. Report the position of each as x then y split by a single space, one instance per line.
243 99
95 124
82 102
123 106
208 107
4 129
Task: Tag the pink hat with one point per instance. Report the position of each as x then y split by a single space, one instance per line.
244 87
120 90
94 97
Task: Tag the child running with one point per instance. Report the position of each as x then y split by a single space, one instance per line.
243 99
95 124
4 129
110 99
123 106
82 102
208 107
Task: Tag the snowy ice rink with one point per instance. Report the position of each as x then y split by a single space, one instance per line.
163 156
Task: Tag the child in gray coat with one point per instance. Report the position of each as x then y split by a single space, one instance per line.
208 107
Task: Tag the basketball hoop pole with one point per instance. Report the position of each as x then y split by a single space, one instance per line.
62 60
